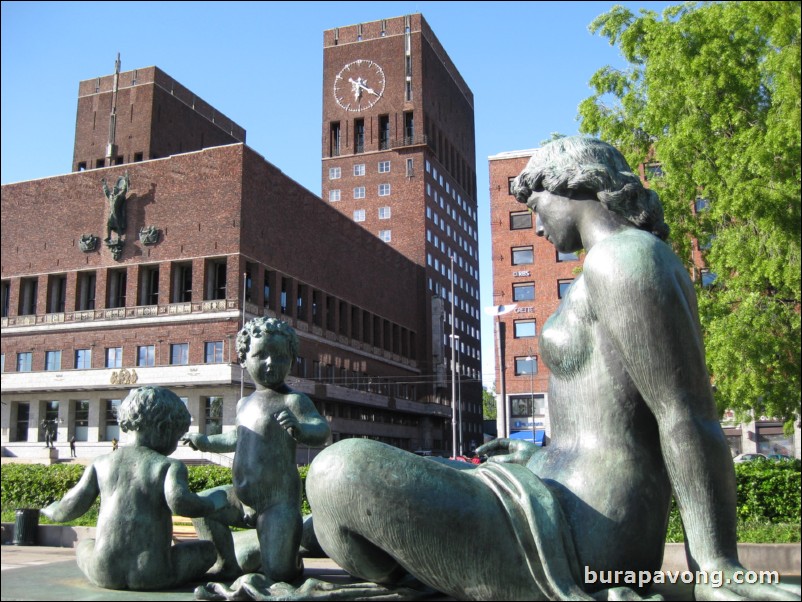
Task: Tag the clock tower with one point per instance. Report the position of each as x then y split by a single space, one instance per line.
399 158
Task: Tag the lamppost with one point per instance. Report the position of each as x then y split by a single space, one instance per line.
503 420
455 374
531 359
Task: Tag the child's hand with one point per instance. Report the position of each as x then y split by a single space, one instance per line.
195 440
288 422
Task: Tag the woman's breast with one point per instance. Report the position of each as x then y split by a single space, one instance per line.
566 341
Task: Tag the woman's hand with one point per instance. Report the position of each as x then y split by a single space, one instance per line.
512 451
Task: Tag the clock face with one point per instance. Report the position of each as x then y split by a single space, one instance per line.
359 85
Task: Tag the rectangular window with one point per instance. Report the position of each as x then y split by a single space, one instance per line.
213 352
523 255
335 173
520 220
216 274
334 139
409 128
57 294
510 182
359 192
384 190
334 196
359 170
567 256
6 290
53 360
359 135
562 287
359 215
146 355
524 291
116 285
83 359
525 329
410 170
112 406
213 415
525 365
385 235
82 420
179 354
114 357
182 283
384 212
384 132
28 292
24 361
149 285
384 167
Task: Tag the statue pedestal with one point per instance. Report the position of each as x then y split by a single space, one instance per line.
49 455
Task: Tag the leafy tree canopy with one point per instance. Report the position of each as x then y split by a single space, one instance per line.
712 93
488 405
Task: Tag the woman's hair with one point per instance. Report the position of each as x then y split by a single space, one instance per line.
154 408
584 164
259 327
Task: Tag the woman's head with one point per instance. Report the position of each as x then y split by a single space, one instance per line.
588 165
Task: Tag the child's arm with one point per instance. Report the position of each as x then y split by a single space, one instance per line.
182 501
225 442
78 499
302 421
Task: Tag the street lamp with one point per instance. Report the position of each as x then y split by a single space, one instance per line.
455 378
502 421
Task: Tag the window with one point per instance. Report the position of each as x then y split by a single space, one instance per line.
410 170
525 329
359 136
562 287
56 294
116 288
708 278
510 183
82 420
216 274
53 360
182 283
334 196
524 291
114 357
701 204
409 128
111 408
384 133
213 415
359 215
213 352
24 361
520 220
523 255
6 297
179 354
334 139
385 235
146 355
652 170
384 190
359 169
83 359
27 296
335 173
567 256
525 365
359 192
384 167
149 285
384 212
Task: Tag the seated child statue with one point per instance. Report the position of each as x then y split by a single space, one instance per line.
266 484
140 489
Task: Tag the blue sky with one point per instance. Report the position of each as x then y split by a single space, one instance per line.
528 64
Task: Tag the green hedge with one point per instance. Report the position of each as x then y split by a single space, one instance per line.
769 506
37 485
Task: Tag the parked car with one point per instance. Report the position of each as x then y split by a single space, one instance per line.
749 458
779 457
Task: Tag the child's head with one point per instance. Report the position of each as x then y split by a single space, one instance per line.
155 412
264 338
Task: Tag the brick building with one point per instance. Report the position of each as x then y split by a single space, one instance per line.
399 159
213 232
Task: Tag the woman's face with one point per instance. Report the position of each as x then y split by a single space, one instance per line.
556 219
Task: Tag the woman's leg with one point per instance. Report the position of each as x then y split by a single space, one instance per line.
380 512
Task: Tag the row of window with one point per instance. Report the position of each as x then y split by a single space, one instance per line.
113 357
526 255
525 291
384 213
359 192
335 173
339 136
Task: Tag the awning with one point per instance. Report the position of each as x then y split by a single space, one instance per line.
527 436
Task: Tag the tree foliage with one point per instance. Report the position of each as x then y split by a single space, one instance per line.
488 405
712 93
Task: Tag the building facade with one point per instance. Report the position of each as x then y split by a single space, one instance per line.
399 159
212 237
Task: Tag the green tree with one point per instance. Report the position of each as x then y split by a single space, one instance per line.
712 93
488 404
